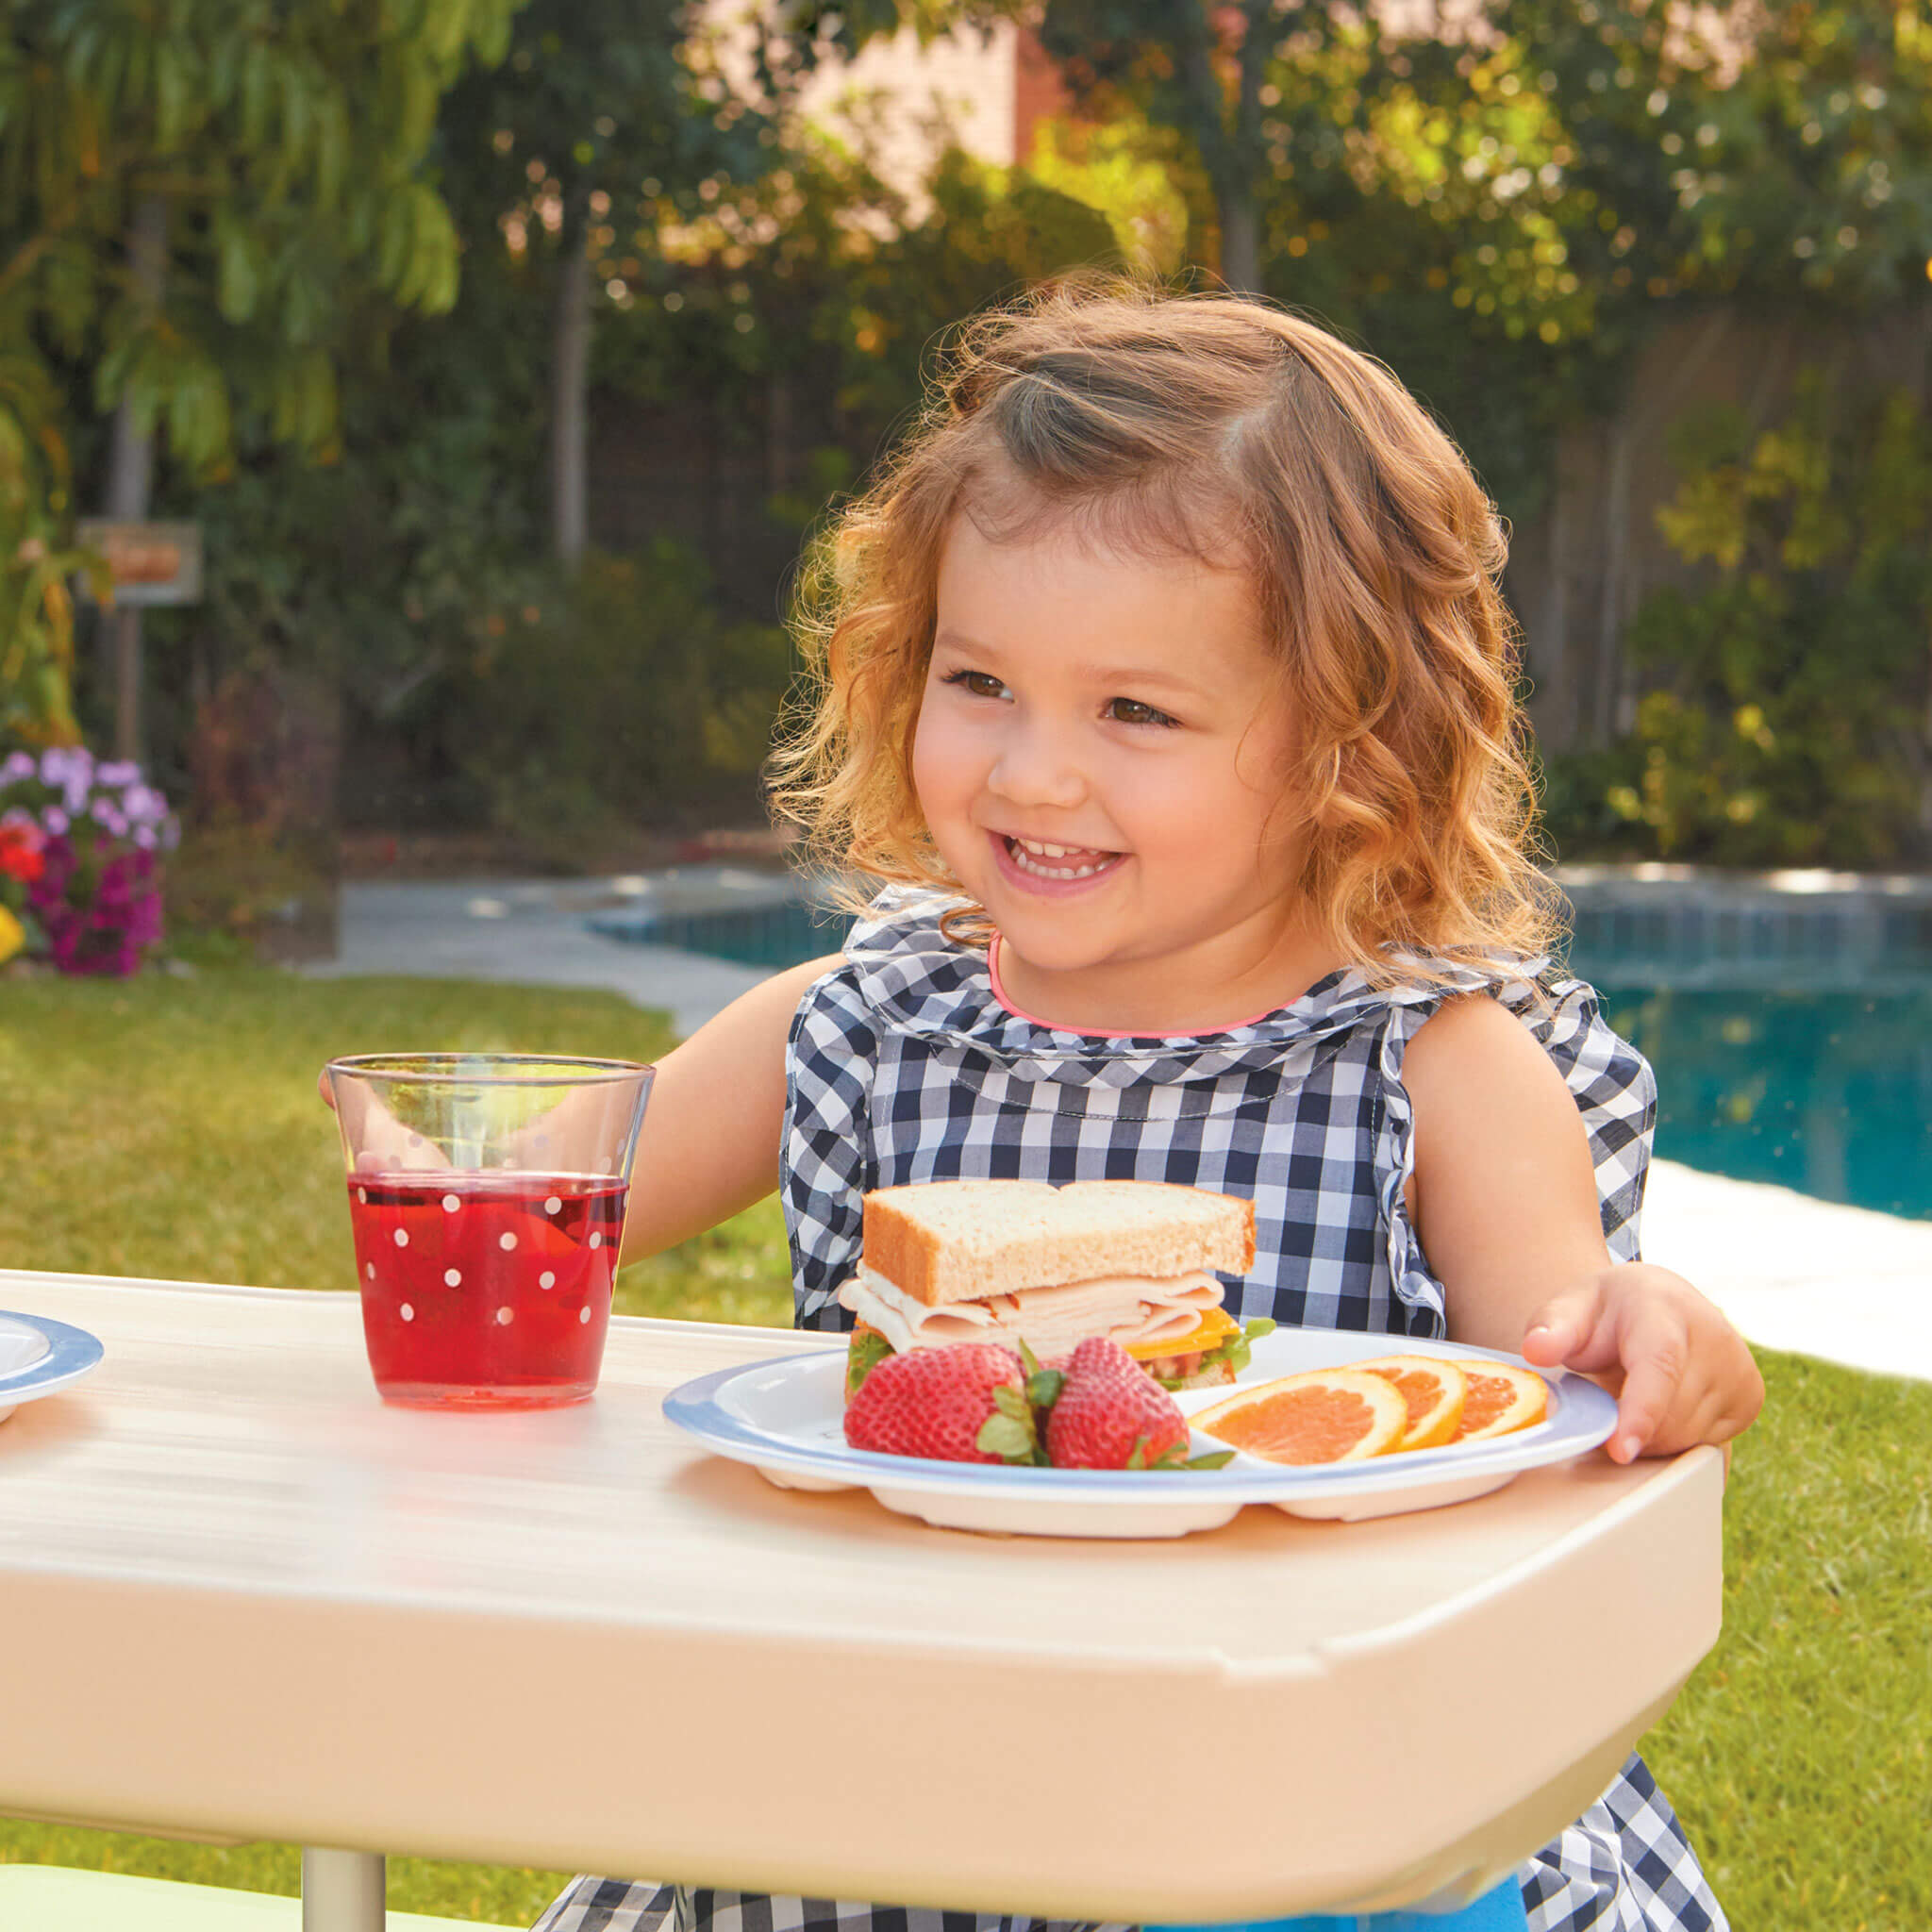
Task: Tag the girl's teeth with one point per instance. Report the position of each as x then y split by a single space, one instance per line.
1024 854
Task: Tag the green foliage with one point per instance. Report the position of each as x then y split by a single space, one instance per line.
1783 721
1129 171
821 273
272 151
629 697
284 144
36 609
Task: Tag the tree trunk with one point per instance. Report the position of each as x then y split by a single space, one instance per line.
130 476
781 432
570 399
1241 239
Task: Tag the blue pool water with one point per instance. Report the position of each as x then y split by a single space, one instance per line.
1827 1091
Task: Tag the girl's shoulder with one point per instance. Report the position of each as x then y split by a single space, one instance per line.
898 966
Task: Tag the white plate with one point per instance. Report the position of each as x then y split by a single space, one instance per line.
38 1357
786 1417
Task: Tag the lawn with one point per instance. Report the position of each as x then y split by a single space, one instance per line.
170 1127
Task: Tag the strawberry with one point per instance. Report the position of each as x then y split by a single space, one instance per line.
1111 1414
951 1404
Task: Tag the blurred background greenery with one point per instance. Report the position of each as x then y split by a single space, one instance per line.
507 353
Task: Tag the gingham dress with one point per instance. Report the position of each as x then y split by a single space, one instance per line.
906 1065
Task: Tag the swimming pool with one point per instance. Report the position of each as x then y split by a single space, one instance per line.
1791 1035
1827 1091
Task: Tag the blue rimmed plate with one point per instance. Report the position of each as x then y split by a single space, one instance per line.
785 1419
37 1356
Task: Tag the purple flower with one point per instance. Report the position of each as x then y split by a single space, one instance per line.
54 820
145 838
18 765
119 773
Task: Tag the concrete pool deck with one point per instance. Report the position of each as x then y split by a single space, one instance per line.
1842 1283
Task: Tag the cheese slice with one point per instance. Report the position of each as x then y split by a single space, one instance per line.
1215 1327
1138 1313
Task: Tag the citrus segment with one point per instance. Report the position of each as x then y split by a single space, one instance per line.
1434 1391
1326 1415
1502 1398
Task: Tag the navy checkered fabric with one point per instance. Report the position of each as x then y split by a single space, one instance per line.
905 1066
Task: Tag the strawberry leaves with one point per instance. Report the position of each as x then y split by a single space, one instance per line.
1011 1432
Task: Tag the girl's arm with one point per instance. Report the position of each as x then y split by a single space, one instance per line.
1504 1199
712 1126
708 1146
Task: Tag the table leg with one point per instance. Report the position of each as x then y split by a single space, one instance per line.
341 1892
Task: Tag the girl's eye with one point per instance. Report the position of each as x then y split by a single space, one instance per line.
1132 711
982 683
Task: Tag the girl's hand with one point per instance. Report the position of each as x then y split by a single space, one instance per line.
385 1145
1681 1373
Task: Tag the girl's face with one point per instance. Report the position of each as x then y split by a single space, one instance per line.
1101 756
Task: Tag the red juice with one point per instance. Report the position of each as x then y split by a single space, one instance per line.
486 1291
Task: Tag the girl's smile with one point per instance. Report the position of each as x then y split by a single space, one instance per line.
1101 758
1040 866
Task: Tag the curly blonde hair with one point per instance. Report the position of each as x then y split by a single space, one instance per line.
1225 429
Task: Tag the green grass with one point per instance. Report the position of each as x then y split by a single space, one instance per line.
170 1127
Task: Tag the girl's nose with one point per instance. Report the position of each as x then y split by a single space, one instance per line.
1036 767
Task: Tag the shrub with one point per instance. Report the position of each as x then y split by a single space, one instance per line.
1783 719
94 902
630 698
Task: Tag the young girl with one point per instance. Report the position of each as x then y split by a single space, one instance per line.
1167 693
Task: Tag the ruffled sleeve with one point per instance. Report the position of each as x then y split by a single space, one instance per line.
826 1172
1613 1087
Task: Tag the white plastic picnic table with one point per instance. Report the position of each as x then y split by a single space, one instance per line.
242 1598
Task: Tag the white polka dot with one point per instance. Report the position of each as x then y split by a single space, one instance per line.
596 1241
452 1278
415 1139
504 1316
583 1314
451 1203
505 1242
370 1271
362 1195
402 1237
507 1161
553 1206
603 1163
547 1279
407 1312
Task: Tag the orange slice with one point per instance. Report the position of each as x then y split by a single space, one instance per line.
1502 1398
1434 1391
1326 1415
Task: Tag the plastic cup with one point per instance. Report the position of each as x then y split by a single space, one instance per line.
487 1195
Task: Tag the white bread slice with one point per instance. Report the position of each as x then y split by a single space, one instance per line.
961 1240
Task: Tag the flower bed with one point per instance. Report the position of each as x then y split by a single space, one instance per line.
80 850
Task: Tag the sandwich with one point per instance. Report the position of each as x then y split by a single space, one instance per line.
1041 1268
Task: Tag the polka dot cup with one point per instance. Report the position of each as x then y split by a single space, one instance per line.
486 1197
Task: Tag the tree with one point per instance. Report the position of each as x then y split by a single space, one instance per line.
608 117
611 123
1195 67
195 197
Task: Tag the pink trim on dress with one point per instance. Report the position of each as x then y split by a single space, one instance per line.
999 992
